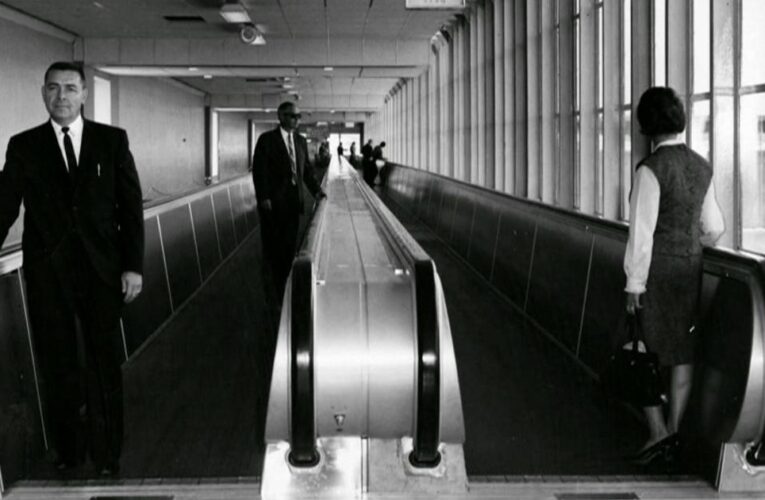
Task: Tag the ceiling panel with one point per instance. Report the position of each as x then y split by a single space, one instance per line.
381 40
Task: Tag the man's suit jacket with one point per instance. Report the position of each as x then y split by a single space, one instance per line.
271 171
103 208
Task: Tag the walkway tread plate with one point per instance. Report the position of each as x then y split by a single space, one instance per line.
596 496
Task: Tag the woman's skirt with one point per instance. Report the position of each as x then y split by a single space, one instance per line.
670 307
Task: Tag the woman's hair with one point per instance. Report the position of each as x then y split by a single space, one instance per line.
660 111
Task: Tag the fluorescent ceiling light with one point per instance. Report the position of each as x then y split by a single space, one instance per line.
208 77
328 68
235 13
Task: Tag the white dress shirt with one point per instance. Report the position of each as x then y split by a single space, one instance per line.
75 134
644 211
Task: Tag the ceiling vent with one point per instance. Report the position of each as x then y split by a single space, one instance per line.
184 19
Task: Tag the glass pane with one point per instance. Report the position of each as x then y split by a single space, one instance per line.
701 46
626 163
753 172
752 42
701 128
577 63
577 161
627 54
599 189
600 58
659 42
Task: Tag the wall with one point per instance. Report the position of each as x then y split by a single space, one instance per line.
25 55
165 124
233 157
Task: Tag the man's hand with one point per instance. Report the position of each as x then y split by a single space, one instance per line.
633 302
265 205
132 283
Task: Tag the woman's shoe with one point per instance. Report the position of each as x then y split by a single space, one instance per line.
659 448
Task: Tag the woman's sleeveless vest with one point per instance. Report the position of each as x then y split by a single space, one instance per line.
684 178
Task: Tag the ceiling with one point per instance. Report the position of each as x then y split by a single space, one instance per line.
369 44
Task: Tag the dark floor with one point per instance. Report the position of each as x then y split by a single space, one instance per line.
195 397
529 408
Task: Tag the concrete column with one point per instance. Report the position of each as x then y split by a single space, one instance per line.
566 59
499 95
533 80
521 100
612 109
641 71
509 96
474 65
547 98
489 113
480 92
589 187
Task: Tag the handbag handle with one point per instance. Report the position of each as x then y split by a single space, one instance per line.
635 329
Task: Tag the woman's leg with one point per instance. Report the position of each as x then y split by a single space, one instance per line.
680 390
656 425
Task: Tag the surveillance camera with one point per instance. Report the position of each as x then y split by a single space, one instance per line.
251 36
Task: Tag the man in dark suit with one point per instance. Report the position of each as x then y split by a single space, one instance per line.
280 166
83 254
368 169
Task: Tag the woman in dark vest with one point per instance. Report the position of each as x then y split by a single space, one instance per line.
673 212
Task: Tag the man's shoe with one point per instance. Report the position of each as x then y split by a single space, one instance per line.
110 470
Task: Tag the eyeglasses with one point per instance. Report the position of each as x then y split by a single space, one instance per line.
296 116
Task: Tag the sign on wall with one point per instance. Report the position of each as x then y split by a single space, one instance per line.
435 4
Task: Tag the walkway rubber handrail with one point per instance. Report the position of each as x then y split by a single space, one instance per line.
426 435
303 451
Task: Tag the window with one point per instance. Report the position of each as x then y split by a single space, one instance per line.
102 100
700 128
625 119
659 18
577 106
599 119
752 126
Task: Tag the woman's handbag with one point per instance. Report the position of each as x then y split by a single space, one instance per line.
631 373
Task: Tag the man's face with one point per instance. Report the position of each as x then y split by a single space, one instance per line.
289 117
64 95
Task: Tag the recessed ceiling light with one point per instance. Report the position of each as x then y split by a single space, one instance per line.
193 68
328 68
332 111
287 86
208 77
235 13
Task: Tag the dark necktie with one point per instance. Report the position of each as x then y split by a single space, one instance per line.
293 162
71 158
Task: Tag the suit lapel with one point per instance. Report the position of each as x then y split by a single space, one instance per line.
86 151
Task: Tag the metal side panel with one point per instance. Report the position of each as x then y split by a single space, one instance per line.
452 423
278 417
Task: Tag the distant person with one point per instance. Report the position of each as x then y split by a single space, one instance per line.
368 168
340 150
673 212
379 162
83 258
280 166
352 154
